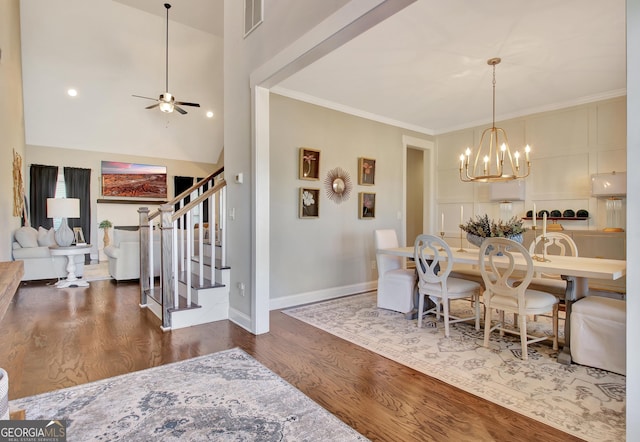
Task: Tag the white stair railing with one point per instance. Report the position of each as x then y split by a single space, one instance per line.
176 241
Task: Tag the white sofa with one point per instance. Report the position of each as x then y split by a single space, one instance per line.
124 254
32 247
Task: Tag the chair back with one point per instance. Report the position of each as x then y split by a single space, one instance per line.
433 257
498 258
557 244
385 239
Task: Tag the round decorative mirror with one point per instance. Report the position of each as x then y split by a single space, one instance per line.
338 185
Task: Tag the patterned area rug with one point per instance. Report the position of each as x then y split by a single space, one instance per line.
226 396
583 401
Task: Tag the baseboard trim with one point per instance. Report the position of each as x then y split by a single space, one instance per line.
321 295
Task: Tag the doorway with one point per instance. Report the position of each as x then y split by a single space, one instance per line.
419 185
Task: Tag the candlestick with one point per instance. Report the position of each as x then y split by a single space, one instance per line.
442 223
461 249
544 225
461 214
535 215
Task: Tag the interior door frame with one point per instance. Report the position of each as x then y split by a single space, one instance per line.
428 203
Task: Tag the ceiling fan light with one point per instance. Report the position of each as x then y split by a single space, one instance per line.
166 107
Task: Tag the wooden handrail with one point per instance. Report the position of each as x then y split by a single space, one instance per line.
191 204
187 192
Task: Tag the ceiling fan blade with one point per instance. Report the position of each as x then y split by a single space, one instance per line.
152 106
146 98
184 103
182 111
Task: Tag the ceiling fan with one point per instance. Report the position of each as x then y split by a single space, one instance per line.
167 102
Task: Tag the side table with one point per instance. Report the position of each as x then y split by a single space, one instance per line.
72 280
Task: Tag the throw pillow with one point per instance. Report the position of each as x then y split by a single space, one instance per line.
27 237
46 237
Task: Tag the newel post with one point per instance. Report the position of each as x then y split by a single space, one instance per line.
143 232
166 266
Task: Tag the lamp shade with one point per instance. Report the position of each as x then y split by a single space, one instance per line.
609 184
63 208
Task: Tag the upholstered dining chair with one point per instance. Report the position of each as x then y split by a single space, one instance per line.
434 282
396 284
507 290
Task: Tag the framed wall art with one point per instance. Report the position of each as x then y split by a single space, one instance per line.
366 171
309 164
366 205
130 180
309 203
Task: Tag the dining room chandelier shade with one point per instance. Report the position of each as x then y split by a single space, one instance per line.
492 160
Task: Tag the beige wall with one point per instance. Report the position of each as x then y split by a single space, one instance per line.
11 116
118 214
568 145
333 254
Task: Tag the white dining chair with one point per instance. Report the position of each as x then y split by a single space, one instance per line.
557 244
396 283
507 290
434 262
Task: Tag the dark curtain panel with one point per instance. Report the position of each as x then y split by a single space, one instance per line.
205 203
180 184
78 183
43 186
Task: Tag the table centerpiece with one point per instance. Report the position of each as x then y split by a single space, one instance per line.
482 227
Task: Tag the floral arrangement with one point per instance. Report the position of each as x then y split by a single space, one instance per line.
484 228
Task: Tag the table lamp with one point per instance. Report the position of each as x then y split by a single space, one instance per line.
63 208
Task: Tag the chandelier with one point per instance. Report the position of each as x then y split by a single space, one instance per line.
492 160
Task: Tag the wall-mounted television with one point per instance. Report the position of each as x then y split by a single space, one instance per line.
131 180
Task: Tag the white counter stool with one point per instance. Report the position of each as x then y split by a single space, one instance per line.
598 333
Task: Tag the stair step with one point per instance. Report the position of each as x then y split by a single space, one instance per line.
207 261
182 301
182 305
195 281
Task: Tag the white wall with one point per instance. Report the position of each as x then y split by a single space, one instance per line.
568 145
118 214
332 255
11 120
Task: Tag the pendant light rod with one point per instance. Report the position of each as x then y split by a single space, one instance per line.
493 62
166 57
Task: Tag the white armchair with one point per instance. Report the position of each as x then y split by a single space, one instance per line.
124 254
396 284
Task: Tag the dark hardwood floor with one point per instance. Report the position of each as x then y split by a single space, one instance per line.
54 338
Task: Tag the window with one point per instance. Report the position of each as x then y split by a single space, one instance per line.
61 192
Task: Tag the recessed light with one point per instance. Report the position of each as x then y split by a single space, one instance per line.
209 114
72 92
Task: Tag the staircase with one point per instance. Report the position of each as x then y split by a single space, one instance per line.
193 285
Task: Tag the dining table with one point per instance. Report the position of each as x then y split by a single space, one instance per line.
574 269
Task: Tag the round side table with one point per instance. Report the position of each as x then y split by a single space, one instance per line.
72 280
